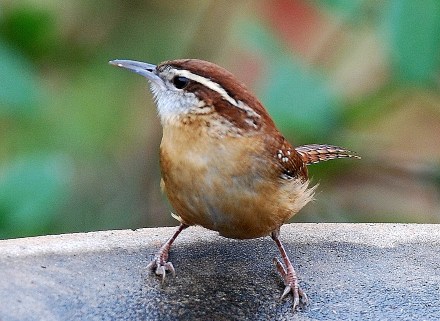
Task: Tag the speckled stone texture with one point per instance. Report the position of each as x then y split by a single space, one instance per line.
349 271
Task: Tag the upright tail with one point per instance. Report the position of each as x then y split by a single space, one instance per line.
315 153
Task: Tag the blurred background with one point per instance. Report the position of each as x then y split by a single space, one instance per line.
79 139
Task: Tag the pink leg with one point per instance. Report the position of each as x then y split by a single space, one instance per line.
159 263
288 274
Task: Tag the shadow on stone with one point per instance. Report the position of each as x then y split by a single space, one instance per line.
345 276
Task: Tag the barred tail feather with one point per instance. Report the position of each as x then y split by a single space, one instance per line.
315 153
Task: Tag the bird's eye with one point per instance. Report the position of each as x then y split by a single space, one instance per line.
180 82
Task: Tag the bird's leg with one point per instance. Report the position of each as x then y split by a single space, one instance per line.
288 274
159 263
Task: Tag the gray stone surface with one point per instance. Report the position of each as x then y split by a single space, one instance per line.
350 272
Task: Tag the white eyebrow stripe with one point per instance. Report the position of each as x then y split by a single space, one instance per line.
209 84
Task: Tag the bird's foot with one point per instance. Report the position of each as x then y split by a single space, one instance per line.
160 266
291 282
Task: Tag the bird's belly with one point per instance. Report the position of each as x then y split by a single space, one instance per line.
241 213
236 206
219 186
232 211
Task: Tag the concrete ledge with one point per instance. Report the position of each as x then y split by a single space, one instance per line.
350 272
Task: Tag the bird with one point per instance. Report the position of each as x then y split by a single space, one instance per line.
224 164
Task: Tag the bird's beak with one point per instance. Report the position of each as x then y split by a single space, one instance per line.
147 70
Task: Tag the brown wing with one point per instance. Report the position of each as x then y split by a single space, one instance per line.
289 163
315 153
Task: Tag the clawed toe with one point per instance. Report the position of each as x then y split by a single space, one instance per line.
287 290
160 267
299 297
159 264
291 282
288 274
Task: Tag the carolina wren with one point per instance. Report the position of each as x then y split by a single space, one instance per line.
224 164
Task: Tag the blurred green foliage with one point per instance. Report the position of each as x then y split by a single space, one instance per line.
32 189
291 81
413 36
19 90
31 31
79 139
